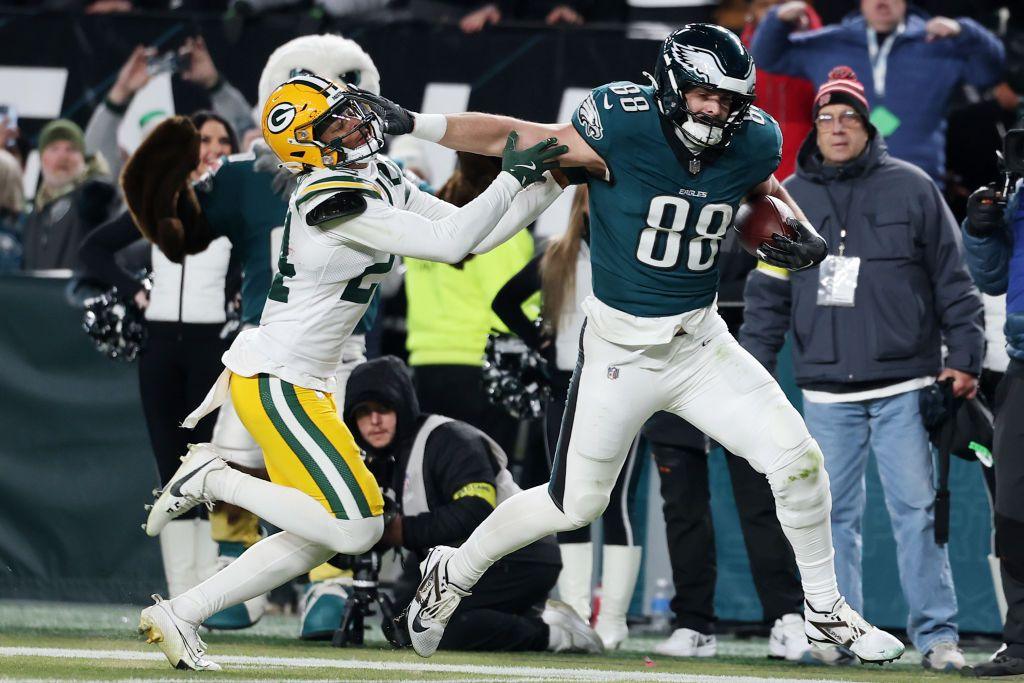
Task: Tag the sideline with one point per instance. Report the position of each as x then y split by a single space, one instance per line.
498 672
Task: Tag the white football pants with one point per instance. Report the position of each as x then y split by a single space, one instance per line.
707 379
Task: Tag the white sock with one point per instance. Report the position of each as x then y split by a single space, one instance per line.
261 568
177 548
519 521
819 583
804 513
292 510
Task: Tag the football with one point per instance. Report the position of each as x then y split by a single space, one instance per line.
760 218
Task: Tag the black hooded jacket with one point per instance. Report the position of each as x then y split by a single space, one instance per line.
459 473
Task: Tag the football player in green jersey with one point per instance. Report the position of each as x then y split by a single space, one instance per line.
667 164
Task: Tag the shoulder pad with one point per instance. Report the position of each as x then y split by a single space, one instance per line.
316 183
338 205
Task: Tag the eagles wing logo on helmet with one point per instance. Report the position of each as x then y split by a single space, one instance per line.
590 117
699 61
280 117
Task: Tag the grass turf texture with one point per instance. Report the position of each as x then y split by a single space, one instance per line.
91 642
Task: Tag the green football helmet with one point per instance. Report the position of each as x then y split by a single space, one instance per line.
711 57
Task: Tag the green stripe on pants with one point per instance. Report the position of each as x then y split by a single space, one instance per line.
327 447
267 399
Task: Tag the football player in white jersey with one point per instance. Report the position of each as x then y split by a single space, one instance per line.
350 214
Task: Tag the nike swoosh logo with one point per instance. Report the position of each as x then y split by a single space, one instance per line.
531 167
176 487
607 105
417 627
826 629
705 342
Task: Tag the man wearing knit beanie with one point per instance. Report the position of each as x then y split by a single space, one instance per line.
841 116
62 129
866 346
62 157
842 87
70 201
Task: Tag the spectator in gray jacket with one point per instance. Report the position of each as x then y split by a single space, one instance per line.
867 328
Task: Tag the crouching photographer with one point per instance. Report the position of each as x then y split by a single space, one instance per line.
447 476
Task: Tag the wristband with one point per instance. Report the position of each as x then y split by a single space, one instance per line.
217 84
119 109
430 127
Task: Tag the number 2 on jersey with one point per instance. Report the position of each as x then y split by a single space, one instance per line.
359 289
667 217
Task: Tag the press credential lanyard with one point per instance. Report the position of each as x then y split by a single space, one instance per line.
879 57
841 217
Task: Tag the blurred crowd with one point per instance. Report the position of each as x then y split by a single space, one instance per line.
892 115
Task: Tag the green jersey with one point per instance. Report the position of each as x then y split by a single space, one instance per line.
657 220
240 203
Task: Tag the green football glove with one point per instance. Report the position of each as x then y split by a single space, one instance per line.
528 165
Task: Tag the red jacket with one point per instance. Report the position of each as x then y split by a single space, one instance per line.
789 100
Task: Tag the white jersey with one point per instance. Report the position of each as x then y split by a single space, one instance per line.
327 273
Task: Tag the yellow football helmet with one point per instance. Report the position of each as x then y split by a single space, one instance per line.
310 122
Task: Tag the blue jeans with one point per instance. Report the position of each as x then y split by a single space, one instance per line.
891 428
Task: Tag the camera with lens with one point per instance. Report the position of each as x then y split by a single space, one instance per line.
174 61
1011 159
365 597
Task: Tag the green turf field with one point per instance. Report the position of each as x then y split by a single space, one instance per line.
50 641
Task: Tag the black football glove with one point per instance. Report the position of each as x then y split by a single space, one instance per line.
397 119
528 165
985 212
808 249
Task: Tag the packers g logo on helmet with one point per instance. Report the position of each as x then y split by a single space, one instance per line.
310 122
280 117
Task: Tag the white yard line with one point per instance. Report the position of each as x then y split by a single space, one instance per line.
499 672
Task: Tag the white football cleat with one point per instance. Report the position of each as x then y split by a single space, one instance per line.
568 631
844 627
788 640
185 489
685 642
434 603
178 639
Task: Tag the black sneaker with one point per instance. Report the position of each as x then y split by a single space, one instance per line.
1002 665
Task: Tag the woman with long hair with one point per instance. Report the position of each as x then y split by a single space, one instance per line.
185 314
562 275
